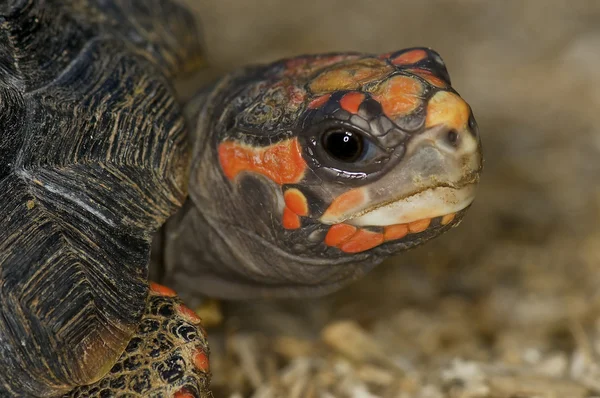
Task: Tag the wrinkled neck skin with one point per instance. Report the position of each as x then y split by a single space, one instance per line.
232 240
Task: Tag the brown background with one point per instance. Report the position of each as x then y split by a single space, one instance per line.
507 303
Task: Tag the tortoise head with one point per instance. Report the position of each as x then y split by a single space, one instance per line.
325 165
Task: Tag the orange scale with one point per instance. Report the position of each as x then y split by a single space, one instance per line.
419 225
183 393
296 201
346 202
361 241
189 314
201 361
339 233
319 101
448 218
429 77
399 95
410 57
351 102
290 219
162 290
281 162
393 232
446 108
350 75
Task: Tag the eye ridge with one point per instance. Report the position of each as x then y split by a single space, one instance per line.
343 145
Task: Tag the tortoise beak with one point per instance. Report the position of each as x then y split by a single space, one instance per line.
437 176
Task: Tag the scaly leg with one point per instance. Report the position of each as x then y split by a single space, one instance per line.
167 357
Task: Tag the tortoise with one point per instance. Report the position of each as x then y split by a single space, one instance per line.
285 179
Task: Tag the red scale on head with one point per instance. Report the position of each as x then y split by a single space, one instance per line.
290 219
319 101
410 57
296 201
429 77
281 162
399 95
351 102
350 75
296 205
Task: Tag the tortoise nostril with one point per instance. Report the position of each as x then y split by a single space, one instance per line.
452 137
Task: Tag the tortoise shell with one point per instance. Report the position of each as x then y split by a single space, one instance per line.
92 161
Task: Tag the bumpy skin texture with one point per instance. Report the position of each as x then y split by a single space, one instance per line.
167 357
273 213
93 159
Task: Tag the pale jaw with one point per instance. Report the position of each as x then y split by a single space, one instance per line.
428 204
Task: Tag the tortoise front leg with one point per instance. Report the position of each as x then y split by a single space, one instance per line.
167 356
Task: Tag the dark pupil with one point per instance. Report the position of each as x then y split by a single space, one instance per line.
343 145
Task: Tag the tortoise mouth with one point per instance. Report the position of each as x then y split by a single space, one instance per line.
415 209
404 221
352 239
360 207
399 231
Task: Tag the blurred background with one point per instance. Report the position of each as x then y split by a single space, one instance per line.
507 304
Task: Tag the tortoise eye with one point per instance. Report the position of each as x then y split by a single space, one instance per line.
344 145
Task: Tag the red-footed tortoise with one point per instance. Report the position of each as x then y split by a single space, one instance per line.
302 174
